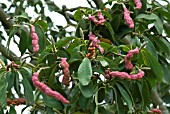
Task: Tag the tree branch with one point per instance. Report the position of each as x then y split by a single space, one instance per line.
11 56
98 3
89 2
3 18
158 102
7 25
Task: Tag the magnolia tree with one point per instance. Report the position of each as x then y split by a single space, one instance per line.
115 62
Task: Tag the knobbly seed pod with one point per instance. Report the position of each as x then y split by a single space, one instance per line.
138 4
45 89
123 75
127 18
128 57
35 39
66 71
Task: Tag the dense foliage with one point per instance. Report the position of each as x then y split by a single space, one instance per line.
115 62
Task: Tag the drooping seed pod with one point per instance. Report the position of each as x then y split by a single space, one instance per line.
65 66
127 18
35 39
45 89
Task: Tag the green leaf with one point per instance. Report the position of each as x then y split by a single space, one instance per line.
146 93
43 56
107 24
43 24
23 16
83 101
42 38
87 90
117 18
125 96
28 91
162 44
166 73
51 102
158 25
120 105
17 86
85 72
10 79
12 110
78 14
3 89
64 41
101 94
152 62
151 47
12 31
23 42
148 17
75 53
107 14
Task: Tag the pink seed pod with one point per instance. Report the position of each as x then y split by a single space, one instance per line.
128 65
141 73
32 29
157 111
34 42
45 89
64 63
92 37
101 49
36 48
123 75
35 39
134 51
138 4
34 36
95 42
119 74
100 16
127 59
92 18
65 66
127 18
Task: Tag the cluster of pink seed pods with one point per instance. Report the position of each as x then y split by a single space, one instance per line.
95 42
123 75
128 57
45 89
100 17
66 71
35 39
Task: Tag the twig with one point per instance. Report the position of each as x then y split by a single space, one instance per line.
89 2
66 15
